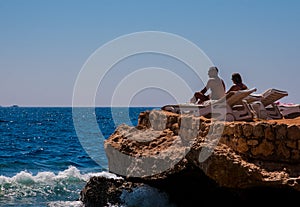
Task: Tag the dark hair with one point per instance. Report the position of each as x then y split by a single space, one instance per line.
236 77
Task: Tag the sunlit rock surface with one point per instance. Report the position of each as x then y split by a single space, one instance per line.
188 156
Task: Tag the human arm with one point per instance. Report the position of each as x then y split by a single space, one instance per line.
224 85
208 86
204 90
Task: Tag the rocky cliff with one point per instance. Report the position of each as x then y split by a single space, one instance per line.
234 161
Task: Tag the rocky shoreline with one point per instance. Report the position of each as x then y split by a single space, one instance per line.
193 159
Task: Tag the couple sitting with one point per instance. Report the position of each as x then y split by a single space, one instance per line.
217 87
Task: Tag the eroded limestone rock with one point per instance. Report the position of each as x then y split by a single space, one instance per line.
239 156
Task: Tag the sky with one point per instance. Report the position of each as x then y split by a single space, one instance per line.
46 47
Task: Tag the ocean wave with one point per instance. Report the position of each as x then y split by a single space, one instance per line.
47 189
26 188
66 204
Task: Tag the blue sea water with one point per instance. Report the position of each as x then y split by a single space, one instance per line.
43 162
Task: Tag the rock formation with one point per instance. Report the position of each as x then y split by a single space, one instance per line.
193 158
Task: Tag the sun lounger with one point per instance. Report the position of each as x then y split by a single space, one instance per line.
231 107
289 111
265 104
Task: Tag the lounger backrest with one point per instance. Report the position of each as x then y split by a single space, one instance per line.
253 97
271 95
238 96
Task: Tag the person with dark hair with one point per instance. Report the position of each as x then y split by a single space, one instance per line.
216 86
237 83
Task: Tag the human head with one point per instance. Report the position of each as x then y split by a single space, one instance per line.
213 71
236 78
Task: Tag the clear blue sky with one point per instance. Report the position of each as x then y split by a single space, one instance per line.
45 43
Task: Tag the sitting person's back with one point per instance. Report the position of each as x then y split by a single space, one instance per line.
216 86
238 83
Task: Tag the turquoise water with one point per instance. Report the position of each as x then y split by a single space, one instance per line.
42 160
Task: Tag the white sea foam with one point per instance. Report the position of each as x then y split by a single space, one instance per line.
47 189
27 178
66 204
61 189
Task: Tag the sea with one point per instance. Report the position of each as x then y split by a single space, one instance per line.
44 163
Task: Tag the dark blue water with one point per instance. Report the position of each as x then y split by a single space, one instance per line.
43 161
